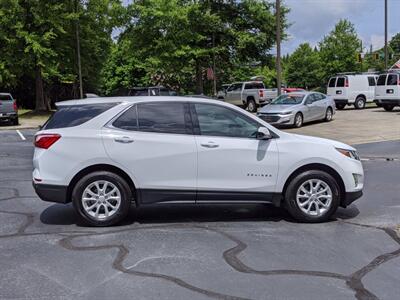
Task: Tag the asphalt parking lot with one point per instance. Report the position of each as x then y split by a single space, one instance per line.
219 252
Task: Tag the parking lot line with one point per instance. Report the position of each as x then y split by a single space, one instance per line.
21 135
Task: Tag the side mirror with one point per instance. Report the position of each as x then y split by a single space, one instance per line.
263 134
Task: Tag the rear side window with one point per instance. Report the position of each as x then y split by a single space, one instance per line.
332 82
74 115
371 81
340 82
163 117
392 79
5 98
128 120
381 80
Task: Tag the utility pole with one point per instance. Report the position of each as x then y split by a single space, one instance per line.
78 52
386 46
214 71
278 46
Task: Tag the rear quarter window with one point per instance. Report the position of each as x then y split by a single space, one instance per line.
332 82
392 79
381 80
340 82
74 115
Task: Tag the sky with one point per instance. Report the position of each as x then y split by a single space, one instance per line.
313 19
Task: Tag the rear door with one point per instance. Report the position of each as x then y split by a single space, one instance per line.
154 141
392 86
331 87
371 88
234 94
341 91
380 90
6 103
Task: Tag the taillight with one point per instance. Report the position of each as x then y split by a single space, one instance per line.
261 93
45 141
15 106
398 82
346 83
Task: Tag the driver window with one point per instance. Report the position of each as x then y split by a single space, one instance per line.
215 120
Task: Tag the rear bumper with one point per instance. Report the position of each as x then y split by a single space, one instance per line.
51 193
387 101
341 101
8 116
350 197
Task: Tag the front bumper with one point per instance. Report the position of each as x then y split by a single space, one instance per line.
277 119
350 197
51 193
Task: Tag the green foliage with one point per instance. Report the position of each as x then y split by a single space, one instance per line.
173 42
304 68
339 49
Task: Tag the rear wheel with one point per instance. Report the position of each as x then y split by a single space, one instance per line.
360 103
312 196
388 107
15 121
298 120
340 106
251 105
328 115
102 198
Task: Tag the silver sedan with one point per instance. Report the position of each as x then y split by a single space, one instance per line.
297 108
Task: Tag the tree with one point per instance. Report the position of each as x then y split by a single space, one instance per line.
173 42
304 68
339 49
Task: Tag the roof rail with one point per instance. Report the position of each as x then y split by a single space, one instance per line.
357 73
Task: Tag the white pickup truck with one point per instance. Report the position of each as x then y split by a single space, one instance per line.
249 94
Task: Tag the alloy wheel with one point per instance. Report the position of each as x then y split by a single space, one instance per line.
101 199
314 197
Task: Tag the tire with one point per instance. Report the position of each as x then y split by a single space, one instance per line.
113 181
15 121
293 202
251 105
298 120
340 106
388 107
359 103
328 114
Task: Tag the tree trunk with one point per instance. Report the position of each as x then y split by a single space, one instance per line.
40 103
199 79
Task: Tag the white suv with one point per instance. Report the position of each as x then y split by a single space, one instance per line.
105 154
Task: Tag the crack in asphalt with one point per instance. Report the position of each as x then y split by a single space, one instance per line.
230 256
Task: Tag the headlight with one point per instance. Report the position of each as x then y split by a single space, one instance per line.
286 113
349 153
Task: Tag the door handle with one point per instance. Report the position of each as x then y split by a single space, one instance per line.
209 145
123 139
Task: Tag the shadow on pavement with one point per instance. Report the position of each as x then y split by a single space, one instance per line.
59 214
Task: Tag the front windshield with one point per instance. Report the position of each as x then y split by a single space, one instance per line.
288 99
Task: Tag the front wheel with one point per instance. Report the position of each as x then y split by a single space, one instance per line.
328 114
101 198
298 120
388 107
312 196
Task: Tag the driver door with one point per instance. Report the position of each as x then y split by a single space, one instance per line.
232 164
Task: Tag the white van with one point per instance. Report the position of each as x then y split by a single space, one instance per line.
387 92
352 89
